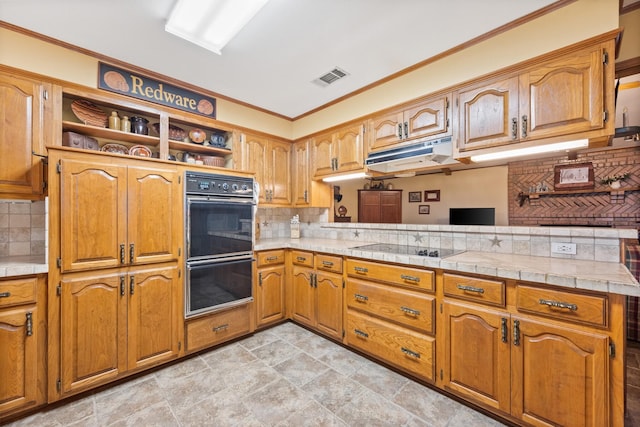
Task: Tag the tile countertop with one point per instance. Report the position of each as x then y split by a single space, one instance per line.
590 275
22 265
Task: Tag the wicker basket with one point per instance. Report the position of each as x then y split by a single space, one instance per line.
213 161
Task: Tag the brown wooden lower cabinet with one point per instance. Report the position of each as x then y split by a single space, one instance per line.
218 327
270 295
22 344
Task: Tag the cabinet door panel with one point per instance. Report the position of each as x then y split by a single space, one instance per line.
153 316
21 135
565 96
329 304
92 215
303 296
429 118
155 213
301 174
256 157
270 298
280 170
477 361
384 130
323 154
349 148
18 358
560 376
486 115
93 326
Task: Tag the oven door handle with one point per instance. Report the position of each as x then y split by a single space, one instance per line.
219 200
210 261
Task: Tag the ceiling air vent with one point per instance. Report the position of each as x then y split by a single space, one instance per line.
331 77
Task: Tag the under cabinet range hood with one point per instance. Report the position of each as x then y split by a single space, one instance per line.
432 153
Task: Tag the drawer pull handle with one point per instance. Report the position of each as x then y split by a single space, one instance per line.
361 269
360 333
359 297
122 253
410 353
221 328
516 332
328 264
410 311
504 329
132 253
471 289
301 259
271 258
410 278
5 294
558 304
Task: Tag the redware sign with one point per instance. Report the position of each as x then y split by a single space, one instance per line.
142 87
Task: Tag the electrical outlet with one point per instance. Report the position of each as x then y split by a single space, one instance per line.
563 248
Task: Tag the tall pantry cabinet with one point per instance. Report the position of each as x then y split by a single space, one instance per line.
115 296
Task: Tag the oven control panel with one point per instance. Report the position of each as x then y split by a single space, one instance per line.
216 184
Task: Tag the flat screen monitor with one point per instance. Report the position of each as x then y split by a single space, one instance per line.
472 216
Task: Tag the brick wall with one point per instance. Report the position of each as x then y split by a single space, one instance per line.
602 207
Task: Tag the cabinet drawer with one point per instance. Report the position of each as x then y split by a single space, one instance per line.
406 349
393 274
409 308
270 257
218 327
329 263
18 291
302 258
485 291
580 308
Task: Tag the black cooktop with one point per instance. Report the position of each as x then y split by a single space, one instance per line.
408 250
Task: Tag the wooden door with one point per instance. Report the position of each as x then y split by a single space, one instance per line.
559 376
153 316
270 295
564 96
391 207
300 174
369 206
328 290
477 354
93 215
429 118
18 357
323 155
256 149
93 330
279 170
303 296
487 114
22 136
155 211
350 148
384 130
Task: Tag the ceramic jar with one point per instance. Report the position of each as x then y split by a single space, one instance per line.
125 124
139 125
114 121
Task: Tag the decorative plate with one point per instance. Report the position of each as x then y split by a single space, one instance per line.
115 148
175 133
140 151
198 136
88 113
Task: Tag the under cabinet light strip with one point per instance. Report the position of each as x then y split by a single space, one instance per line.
560 146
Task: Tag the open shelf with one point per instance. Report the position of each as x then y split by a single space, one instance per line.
573 192
106 133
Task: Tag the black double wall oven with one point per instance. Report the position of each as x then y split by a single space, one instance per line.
219 230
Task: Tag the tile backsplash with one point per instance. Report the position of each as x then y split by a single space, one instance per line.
23 230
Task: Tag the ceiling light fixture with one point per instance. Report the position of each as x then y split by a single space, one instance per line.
346 177
211 24
538 149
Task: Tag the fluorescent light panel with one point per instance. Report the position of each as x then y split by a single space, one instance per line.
560 146
346 177
211 24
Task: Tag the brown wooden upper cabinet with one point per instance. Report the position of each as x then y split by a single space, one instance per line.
26 111
427 118
339 151
560 97
270 160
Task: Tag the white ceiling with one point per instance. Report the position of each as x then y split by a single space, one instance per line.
272 62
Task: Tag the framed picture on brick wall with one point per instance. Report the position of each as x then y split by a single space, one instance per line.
576 176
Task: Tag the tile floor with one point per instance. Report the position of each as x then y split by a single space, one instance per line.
283 376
